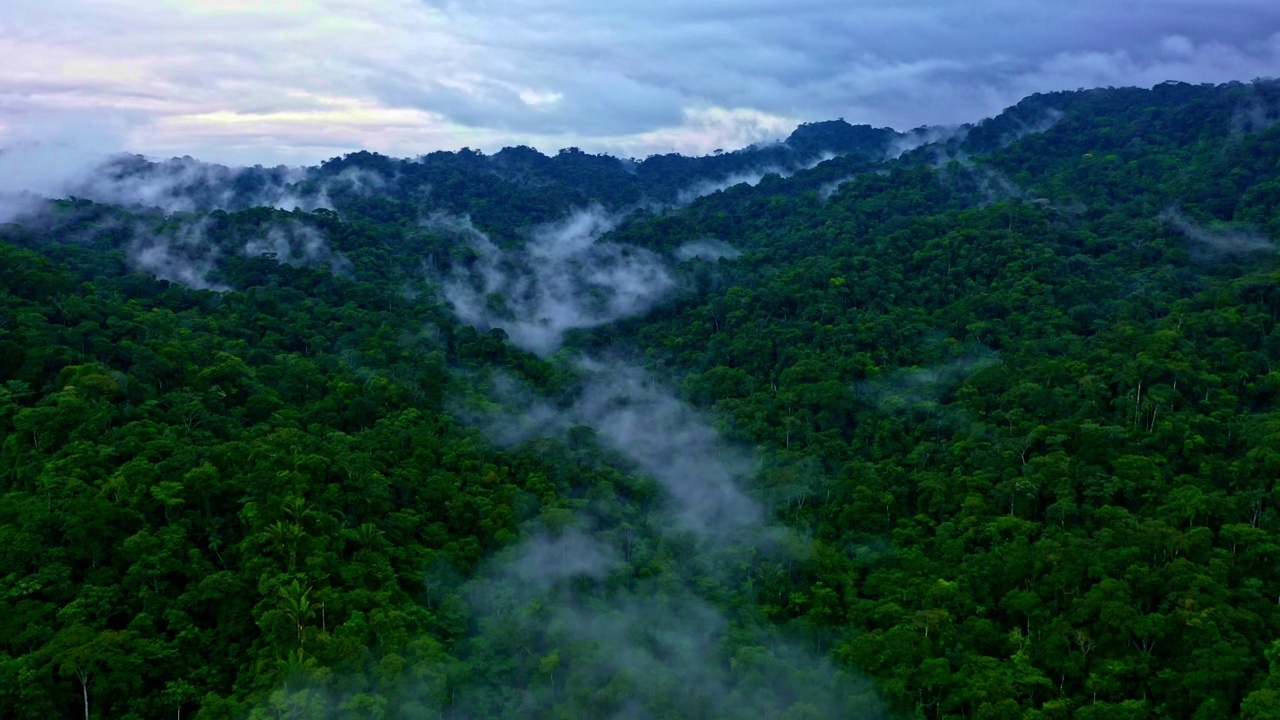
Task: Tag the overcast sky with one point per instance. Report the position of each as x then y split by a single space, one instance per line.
298 81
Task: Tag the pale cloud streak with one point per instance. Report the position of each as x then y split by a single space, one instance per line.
300 80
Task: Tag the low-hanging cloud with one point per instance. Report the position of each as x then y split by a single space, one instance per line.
188 185
979 182
14 206
636 416
665 648
708 186
921 136
654 652
1021 129
298 244
545 560
1258 111
642 420
189 253
182 255
827 189
74 156
668 648
39 158
1218 240
564 278
752 177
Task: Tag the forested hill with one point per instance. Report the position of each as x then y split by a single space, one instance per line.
968 422
517 183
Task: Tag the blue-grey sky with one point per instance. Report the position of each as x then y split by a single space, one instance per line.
297 81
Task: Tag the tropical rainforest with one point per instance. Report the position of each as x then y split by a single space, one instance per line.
979 422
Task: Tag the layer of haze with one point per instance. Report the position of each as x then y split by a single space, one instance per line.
299 81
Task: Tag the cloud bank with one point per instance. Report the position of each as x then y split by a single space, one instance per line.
297 82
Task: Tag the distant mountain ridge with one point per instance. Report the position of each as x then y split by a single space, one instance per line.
523 177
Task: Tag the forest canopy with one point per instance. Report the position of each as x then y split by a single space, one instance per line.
965 422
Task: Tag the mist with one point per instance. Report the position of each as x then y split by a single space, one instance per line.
921 136
298 244
564 278
15 206
642 420
752 177
644 648
1218 240
190 253
1256 113
709 186
45 154
921 389
81 157
181 249
174 185
182 255
826 190
642 652
1022 128
545 560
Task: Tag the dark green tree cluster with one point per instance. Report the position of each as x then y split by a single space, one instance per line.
210 497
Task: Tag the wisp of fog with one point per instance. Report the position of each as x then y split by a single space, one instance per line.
565 277
659 646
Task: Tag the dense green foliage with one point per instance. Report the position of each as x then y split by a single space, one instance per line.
1013 399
